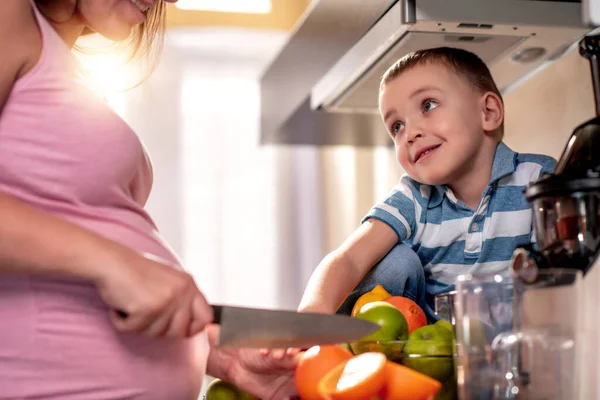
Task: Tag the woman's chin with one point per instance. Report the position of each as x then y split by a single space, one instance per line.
116 35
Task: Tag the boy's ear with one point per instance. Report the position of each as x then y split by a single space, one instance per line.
492 111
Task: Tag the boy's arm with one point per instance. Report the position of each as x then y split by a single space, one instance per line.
342 269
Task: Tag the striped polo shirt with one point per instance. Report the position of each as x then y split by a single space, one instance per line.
450 238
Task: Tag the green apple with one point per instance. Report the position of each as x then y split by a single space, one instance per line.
222 390
430 350
430 340
392 322
436 367
392 350
445 324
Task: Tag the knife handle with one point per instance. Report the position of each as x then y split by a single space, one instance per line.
217 313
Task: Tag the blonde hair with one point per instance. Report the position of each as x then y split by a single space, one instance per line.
462 62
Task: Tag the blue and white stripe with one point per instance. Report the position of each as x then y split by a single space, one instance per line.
450 238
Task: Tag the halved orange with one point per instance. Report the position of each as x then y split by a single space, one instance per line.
360 378
314 364
403 383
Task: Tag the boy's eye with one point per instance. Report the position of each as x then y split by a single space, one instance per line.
429 105
396 127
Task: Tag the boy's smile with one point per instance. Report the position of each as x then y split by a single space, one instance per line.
425 151
438 123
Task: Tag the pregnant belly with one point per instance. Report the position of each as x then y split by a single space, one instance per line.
57 342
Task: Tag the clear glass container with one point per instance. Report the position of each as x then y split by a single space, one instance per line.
517 340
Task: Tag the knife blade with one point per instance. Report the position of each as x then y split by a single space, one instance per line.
264 328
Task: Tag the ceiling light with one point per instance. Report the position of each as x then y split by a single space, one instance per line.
232 6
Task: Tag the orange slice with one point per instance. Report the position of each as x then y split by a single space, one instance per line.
360 378
313 365
403 383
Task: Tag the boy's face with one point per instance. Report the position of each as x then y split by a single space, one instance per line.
437 122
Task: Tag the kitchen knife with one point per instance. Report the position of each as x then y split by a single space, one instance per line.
263 328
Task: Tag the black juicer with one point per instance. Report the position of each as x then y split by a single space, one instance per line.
566 203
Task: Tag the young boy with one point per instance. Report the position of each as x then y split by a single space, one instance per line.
460 207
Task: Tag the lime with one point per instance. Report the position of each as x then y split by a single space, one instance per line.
392 322
222 390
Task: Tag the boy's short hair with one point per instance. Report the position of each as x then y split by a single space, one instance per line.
462 62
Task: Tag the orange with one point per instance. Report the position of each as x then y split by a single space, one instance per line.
313 365
360 378
414 315
375 294
403 383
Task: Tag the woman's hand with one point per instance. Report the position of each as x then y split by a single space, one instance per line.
149 296
279 354
265 377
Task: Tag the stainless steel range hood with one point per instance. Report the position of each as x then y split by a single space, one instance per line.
328 92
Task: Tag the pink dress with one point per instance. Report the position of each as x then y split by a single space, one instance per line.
65 152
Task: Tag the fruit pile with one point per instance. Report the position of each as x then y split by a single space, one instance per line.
331 372
405 359
412 313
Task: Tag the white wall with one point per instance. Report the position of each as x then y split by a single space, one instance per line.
542 113
198 116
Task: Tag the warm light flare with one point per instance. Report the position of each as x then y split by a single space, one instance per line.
233 6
